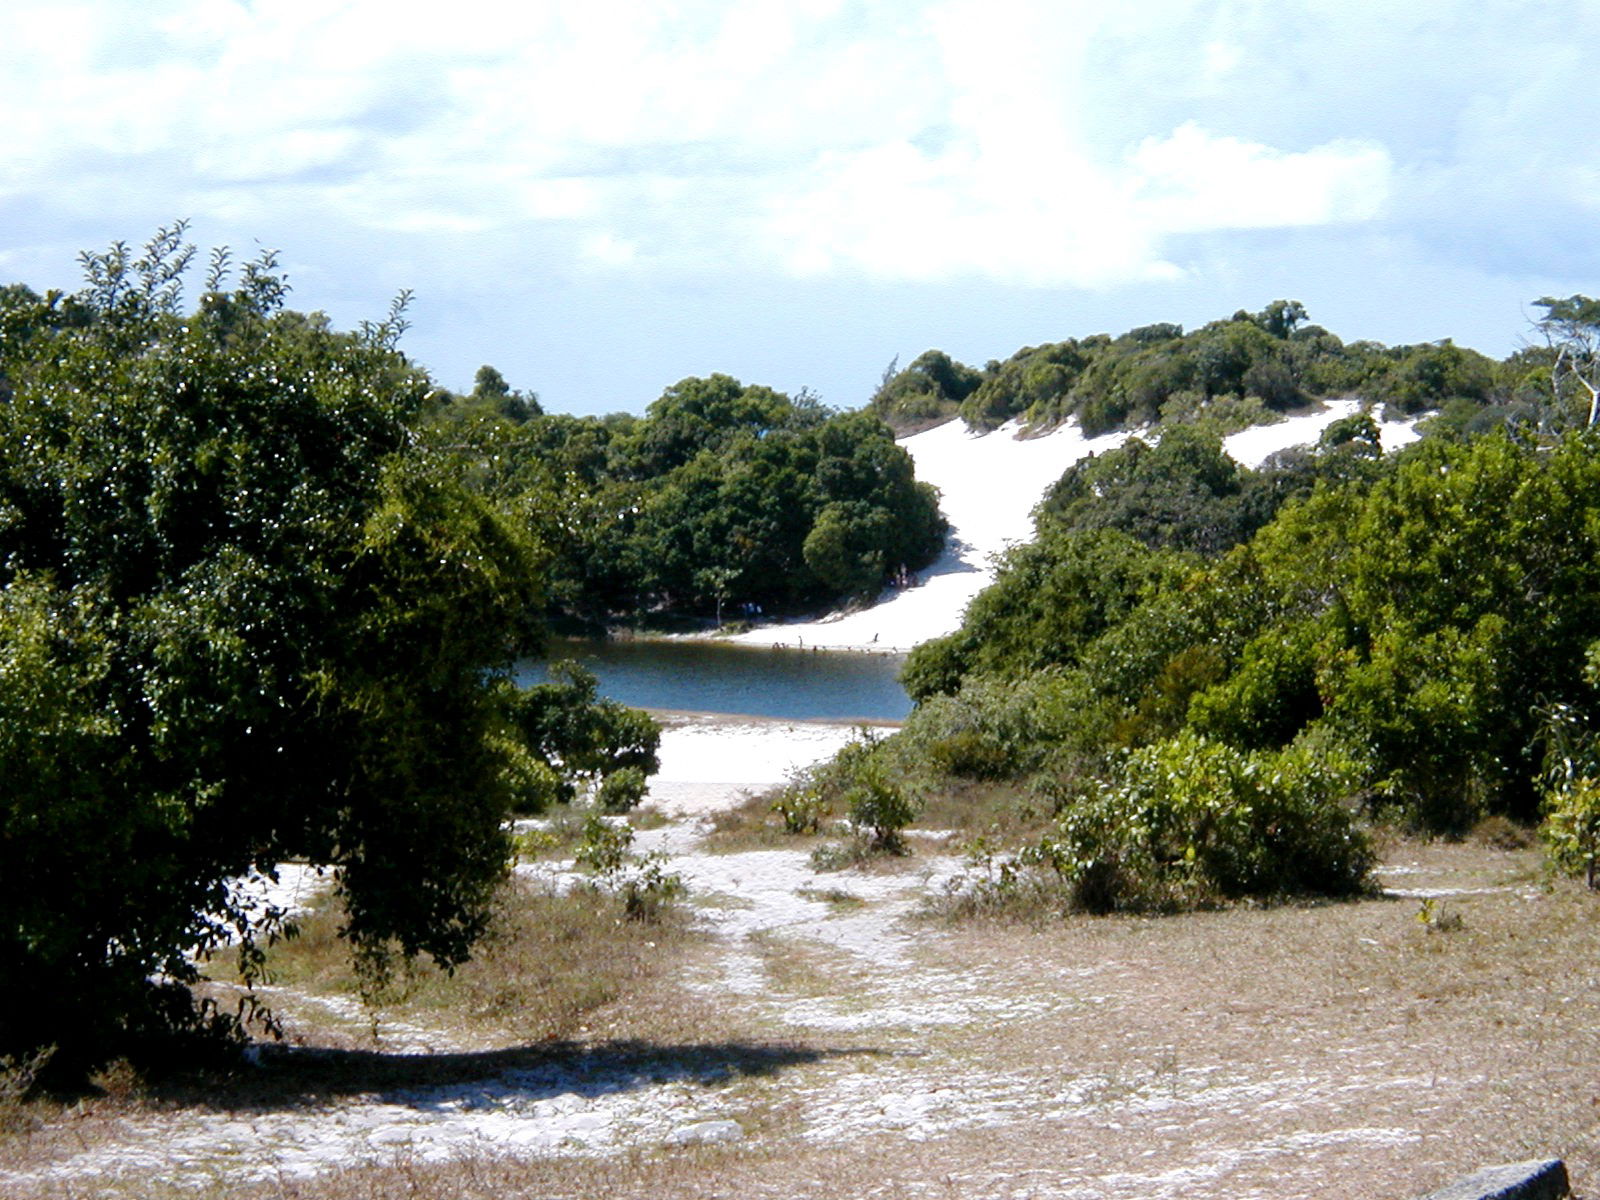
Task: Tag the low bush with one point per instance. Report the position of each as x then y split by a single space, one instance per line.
881 808
641 881
802 812
1571 828
1191 823
815 792
996 728
621 790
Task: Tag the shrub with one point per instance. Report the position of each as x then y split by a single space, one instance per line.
1193 822
881 807
861 781
621 790
801 811
814 791
641 882
1006 728
1571 829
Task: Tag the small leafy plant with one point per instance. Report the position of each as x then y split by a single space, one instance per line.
881 808
641 881
801 810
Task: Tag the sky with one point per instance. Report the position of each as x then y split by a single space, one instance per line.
602 197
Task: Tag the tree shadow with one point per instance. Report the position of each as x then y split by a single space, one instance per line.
288 1077
956 559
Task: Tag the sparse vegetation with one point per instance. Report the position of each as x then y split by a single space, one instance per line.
1303 1025
550 958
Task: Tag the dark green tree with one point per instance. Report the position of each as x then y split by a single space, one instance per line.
248 616
490 389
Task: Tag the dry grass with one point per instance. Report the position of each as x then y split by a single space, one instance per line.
753 825
959 811
1001 812
550 959
1341 1050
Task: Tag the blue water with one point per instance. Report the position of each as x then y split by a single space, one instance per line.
743 680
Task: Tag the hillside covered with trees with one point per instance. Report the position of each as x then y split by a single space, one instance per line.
1238 370
1216 678
263 579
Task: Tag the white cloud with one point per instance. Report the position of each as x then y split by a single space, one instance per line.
609 250
1013 140
1194 181
1041 211
896 212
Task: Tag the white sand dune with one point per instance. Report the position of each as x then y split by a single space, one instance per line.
988 486
709 762
1252 447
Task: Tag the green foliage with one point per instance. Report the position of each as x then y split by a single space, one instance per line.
621 790
1571 778
1271 647
248 616
1244 367
802 811
1412 615
1052 598
642 882
1571 830
723 497
1192 822
605 846
821 786
931 389
881 807
1048 723
845 547
577 741
1181 493
1033 385
1426 377
861 781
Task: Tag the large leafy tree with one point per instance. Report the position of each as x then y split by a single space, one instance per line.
247 616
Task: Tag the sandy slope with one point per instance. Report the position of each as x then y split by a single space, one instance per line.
989 484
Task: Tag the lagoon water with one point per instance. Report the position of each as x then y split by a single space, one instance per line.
696 676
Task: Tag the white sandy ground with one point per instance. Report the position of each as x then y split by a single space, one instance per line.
988 486
762 908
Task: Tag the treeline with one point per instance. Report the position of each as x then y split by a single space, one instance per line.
1239 370
722 499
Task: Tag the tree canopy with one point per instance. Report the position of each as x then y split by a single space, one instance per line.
248 615
723 496
1234 371
1415 616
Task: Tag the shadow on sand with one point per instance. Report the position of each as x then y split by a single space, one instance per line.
293 1077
